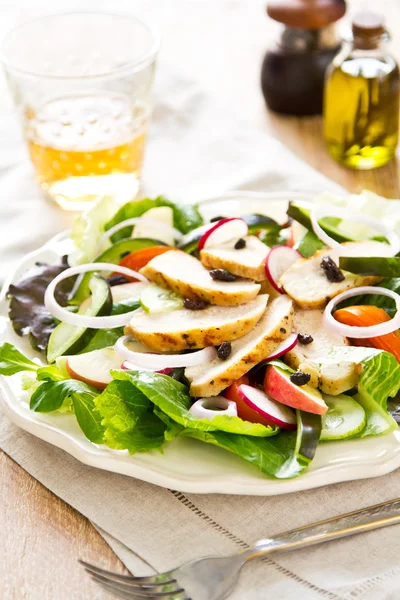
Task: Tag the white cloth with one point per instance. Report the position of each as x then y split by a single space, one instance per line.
207 137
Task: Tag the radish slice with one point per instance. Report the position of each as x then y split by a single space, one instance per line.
223 231
64 315
209 408
142 220
275 413
371 331
283 347
128 366
277 261
319 212
162 361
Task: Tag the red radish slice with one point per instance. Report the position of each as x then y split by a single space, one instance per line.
276 414
277 261
223 231
128 366
283 347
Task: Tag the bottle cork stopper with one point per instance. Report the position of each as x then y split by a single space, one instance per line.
368 25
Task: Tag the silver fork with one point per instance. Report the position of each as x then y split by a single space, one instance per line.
213 578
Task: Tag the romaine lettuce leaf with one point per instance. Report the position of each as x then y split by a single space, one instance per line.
173 398
284 456
128 419
186 216
88 228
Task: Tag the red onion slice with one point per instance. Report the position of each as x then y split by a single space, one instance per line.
352 331
319 212
217 406
162 361
142 220
64 315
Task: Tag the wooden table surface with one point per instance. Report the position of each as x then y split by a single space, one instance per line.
37 523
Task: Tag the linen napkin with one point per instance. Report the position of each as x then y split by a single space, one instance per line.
198 147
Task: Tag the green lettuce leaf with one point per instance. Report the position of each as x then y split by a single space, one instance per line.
284 456
51 395
186 216
103 338
13 361
388 304
172 397
128 419
88 228
379 380
309 244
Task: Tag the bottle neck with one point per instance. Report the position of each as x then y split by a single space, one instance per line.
297 39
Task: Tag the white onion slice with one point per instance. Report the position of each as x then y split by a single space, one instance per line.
162 361
128 366
142 220
319 212
209 408
64 315
352 331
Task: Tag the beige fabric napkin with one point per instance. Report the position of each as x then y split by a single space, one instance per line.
198 147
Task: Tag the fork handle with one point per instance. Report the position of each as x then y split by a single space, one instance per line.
366 519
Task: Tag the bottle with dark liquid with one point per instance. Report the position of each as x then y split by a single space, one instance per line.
292 75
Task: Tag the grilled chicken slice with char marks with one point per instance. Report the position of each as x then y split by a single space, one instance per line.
247 262
332 379
306 282
186 275
210 378
184 329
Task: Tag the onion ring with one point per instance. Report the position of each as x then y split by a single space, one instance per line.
64 315
318 212
145 221
362 332
162 361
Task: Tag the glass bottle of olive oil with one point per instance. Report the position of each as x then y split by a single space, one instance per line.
361 99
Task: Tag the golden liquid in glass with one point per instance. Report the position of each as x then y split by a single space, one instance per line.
85 146
361 112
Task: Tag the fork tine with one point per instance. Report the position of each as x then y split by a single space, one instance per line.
150 580
143 591
133 595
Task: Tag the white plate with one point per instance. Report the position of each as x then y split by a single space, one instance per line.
189 465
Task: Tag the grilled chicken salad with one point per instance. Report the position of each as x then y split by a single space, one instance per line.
260 337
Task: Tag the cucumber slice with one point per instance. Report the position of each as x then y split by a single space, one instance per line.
69 339
345 418
114 255
155 299
364 265
256 223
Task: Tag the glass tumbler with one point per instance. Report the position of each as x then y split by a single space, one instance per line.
82 83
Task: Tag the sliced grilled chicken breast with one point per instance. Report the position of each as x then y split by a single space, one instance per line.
246 262
184 329
331 379
186 275
306 282
210 378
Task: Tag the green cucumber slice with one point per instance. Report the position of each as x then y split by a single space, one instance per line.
114 255
256 223
155 299
70 339
345 418
377 265
302 215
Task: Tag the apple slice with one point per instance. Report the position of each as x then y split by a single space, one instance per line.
94 367
277 385
274 413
